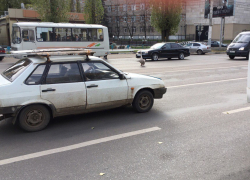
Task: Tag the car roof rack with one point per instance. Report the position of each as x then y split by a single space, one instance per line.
55 52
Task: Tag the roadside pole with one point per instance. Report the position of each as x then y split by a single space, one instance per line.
210 24
222 29
248 82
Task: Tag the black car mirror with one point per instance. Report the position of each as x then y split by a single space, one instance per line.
121 76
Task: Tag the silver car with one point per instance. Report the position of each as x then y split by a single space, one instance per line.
199 48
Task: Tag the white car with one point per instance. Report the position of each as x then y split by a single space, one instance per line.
36 89
199 48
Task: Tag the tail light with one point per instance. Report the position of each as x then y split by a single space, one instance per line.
2 51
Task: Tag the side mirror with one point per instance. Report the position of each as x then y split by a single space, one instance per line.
121 76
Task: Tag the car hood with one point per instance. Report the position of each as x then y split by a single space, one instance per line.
4 81
138 79
237 45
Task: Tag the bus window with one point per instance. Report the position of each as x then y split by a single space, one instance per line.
92 34
28 35
63 34
100 34
83 35
16 35
44 34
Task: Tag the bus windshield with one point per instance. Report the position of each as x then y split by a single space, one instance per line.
16 35
242 38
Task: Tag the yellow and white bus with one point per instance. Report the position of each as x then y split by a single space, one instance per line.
46 35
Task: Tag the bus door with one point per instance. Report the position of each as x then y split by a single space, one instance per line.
28 39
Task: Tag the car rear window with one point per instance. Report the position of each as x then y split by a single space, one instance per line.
15 70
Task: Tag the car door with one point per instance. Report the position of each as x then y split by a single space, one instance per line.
165 51
196 46
104 87
175 50
64 87
28 38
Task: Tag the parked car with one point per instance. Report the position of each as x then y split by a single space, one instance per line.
240 46
36 89
199 48
2 51
217 44
163 50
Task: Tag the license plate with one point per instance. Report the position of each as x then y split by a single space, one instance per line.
232 51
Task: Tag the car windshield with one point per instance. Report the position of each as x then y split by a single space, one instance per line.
16 35
15 70
157 46
242 38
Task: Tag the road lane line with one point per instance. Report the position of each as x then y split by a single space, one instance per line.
76 146
211 82
237 110
206 69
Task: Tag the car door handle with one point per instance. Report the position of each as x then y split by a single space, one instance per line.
92 85
49 89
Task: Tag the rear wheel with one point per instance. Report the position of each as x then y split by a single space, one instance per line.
34 118
181 56
143 101
231 57
155 57
199 52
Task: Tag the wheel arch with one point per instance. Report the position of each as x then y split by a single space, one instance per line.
50 108
145 88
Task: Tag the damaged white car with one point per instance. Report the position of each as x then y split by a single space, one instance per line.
45 85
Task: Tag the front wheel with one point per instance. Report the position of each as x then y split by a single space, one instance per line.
231 57
181 56
34 118
143 101
155 57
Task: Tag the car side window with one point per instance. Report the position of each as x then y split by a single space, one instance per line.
98 71
166 46
35 77
63 73
196 44
173 45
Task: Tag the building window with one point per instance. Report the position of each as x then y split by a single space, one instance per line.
142 6
133 18
124 7
134 29
142 18
125 30
150 29
133 7
142 29
109 8
109 19
116 7
117 19
125 18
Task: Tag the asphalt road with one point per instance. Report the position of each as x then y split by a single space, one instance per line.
190 134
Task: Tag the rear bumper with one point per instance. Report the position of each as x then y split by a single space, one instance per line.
158 93
6 112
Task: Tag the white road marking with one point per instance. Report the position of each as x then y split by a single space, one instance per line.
76 146
237 110
184 85
205 69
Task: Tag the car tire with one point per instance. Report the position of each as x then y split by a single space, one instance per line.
105 57
199 52
143 101
231 57
34 118
1 58
155 57
247 57
181 56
